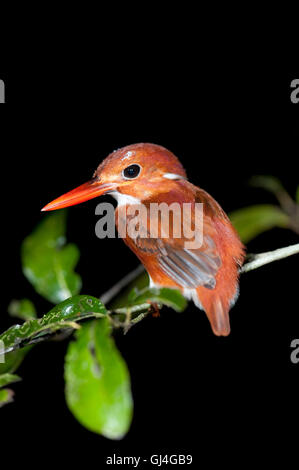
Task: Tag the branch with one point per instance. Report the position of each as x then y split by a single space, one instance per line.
256 261
268 257
124 317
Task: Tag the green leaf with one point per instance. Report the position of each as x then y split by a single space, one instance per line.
98 391
23 309
270 183
165 296
12 360
7 379
64 315
6 396
48 263
253 220
297 195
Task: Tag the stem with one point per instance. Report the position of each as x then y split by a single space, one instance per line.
268 257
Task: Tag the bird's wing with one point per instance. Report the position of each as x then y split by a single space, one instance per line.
189 268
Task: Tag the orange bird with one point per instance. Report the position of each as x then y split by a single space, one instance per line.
147 173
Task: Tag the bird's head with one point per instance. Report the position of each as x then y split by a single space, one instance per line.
139 171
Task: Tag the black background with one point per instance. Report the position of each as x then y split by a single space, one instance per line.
194 393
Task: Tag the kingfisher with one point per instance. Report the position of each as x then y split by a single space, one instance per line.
146 173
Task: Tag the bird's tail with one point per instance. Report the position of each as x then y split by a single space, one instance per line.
218 316
217 310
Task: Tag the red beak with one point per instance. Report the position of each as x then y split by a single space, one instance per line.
83 193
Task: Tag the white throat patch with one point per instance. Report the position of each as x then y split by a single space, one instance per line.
124 199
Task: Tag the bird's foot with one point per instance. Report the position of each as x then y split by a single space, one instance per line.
155 311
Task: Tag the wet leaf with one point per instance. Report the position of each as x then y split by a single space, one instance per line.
254 220
98 391
48 263
23 309
64 315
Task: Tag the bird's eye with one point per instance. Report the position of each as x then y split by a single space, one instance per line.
131 171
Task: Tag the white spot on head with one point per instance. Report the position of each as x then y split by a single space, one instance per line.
127 155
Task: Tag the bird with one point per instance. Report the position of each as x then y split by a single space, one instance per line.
146 173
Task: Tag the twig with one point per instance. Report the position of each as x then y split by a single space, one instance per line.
120 285
268 257
134 308
142 311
